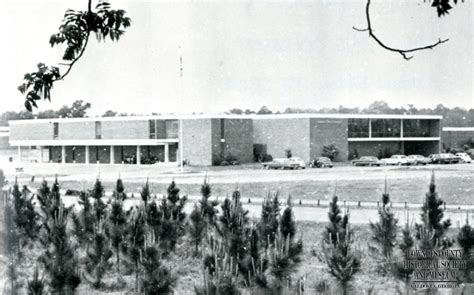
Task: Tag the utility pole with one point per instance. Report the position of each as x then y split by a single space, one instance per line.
181 146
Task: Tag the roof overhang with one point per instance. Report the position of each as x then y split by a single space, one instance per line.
93 142
253 117
357 139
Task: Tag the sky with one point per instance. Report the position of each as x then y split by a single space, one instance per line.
246 54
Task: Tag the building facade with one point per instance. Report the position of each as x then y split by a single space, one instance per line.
207 140
458 137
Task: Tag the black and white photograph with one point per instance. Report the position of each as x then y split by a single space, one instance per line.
241 147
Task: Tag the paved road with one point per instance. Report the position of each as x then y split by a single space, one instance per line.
319 214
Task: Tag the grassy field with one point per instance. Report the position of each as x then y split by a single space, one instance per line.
455 183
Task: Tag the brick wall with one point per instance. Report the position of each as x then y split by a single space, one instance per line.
76 130
327 131
456 139
36 131
197 141
280 134
238 139
124 129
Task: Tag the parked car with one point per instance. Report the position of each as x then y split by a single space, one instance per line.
285 163
297 163
366 161
418 160
395 160
464 157
321 162
445 158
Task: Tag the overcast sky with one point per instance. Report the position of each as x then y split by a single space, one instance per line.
245 55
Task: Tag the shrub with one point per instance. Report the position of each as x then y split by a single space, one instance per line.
116 228
25 218
330 151
83 221
36 286
98 254
173 221
465 239
59 259
384 232
220 274
269 219
196 227
432 219
343 263
156 278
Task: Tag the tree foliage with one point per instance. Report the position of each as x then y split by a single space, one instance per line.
384 232
74 33
432 217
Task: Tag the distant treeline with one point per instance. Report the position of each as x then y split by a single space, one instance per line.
453 117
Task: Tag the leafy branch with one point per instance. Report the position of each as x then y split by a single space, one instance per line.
442 7
74 31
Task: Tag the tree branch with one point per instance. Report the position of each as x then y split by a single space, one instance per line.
75 60
402 52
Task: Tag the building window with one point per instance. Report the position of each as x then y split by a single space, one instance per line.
55 130
172 127
152 128
98 130
386 128
358 128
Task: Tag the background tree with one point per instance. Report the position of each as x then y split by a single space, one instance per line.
110 113
78 109
288 153
75 30
264 111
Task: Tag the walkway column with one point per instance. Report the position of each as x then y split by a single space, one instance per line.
87 154
112 154
138 155
41 154
370 128
63 154
19 154
401 128
167 152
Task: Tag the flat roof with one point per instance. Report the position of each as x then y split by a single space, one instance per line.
459 129
220 116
